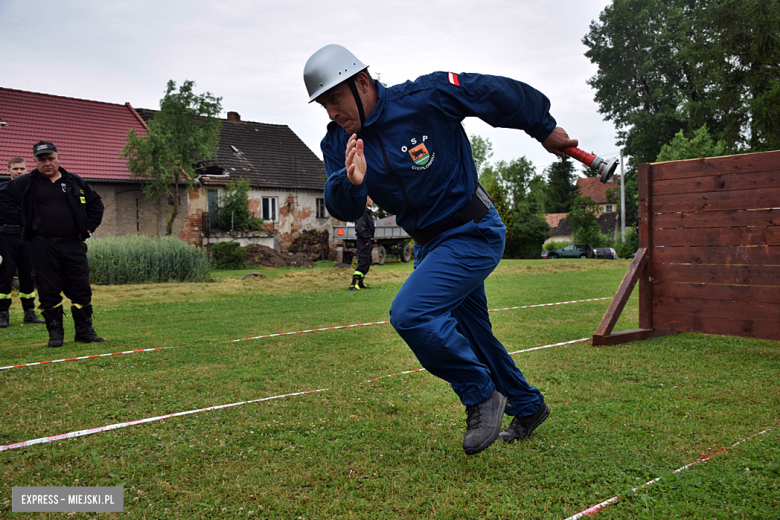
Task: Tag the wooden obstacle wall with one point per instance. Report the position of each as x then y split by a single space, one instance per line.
709 250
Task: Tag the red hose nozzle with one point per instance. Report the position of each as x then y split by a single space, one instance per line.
605 169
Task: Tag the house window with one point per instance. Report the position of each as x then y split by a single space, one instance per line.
269 209
321 211
212 201
609 208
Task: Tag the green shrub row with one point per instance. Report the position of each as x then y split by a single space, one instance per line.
228 255
138 259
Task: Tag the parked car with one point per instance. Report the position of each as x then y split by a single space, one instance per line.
573 251
605 252
545 254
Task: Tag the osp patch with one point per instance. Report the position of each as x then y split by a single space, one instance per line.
420 155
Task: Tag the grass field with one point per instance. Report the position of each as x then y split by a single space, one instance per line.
621 416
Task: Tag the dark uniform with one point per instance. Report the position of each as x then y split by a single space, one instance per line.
15 255
57 217
364 233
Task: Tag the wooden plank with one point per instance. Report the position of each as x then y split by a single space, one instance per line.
725 327
644 175
719 219
736 293
731 236
717 309
629 335
718 183
717 274
752 162
635 270
719 255
717 201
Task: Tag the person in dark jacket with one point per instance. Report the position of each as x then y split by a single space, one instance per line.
405 146
59 212
15 256
364 234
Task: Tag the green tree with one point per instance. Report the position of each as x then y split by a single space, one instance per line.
234 208
700 145
583 220
537 194
183 134
481 151
516 177
743 53
527 233
561 187
671 65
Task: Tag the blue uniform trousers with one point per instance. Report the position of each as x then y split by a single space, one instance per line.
441 313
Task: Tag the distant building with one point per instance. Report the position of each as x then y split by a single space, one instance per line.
595 189
286 179
560 228
89 136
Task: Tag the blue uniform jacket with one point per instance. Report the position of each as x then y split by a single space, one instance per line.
420 166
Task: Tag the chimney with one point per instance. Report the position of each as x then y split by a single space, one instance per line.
234 116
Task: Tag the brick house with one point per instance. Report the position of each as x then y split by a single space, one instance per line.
286 179
88 135
560 229
595 189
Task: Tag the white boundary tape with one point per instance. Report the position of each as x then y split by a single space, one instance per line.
510 353
116 426
22 365
598 507
90 431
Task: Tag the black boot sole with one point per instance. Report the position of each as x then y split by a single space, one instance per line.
494 434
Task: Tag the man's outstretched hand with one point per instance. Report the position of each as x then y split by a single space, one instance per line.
356 161
558 139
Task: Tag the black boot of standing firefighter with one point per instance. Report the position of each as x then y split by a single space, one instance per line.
53 319
358 283
82 319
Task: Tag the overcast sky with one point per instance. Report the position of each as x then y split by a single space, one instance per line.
252 52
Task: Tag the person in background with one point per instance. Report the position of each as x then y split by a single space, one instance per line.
16 256
364 234
59 212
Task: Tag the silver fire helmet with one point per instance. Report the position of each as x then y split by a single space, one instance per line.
328 67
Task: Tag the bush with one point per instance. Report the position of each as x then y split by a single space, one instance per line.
233 212
627 248
552 246
139 259
526 235
228 255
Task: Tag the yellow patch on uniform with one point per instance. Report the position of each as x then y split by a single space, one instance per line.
83 200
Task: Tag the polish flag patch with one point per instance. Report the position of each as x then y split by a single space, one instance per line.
453 78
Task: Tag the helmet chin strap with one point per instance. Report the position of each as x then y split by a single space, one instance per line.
358 102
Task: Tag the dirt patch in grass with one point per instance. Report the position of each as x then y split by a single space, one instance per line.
315 280
560 266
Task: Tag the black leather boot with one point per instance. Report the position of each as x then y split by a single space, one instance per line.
30 317
355 283
361 283
82 319
53 319
4 319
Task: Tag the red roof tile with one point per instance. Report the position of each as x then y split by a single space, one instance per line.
88 134
554 219
593 188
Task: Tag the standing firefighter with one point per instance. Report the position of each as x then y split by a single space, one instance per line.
16 255
364 234
59 212
406 148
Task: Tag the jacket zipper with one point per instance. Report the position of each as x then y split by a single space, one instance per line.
397 178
